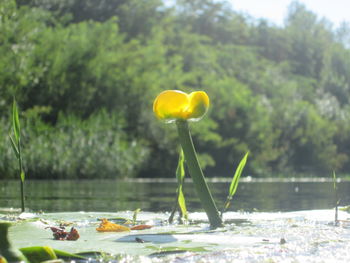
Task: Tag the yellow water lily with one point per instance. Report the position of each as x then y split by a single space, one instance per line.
171 105
175 105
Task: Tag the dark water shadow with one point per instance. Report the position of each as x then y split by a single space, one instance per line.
148 238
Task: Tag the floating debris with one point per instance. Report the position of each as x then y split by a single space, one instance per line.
59 233
107 226
141 227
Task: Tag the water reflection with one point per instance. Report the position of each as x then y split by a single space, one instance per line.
111 195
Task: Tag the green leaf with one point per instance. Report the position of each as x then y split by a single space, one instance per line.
134 217
182 204
15 121
334 181
68 256
38 254
234 182
180 170
22 176
14 147
235 179
180 175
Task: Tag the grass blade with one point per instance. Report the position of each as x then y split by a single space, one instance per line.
234 182
15 121
14 147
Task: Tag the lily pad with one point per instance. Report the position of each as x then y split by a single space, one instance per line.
246 237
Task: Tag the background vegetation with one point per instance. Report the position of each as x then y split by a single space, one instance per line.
85 74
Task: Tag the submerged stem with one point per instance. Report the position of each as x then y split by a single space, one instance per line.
196 173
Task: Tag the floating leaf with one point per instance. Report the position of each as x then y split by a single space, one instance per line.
107 226
141 227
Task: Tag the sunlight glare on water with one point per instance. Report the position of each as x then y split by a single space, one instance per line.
301 236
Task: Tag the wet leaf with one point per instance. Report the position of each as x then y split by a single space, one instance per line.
59 233
107 226
141 227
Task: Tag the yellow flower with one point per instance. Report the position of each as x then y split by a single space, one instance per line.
171 105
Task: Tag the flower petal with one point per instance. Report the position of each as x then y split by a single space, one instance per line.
171 105
199 104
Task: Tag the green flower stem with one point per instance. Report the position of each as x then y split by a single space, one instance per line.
6 249
197 174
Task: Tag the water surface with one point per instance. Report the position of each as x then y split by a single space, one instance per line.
158 195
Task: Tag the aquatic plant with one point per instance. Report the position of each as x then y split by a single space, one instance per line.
180 107
234 182
6 249
16 146
35 254
180 201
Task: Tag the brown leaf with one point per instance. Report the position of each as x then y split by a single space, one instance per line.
73 235
59 233
141 227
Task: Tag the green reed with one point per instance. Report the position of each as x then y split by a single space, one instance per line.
16 146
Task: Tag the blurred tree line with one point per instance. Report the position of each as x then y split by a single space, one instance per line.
85 74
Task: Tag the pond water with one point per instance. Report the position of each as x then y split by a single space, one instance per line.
158 195
270 220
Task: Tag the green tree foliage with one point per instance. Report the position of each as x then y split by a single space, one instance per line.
85 74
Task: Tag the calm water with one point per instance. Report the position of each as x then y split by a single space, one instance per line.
111 195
